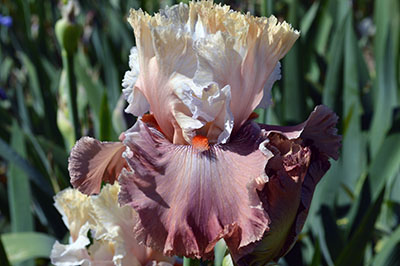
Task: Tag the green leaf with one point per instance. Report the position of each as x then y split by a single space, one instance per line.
353 252
293 97
93 87
324 26
112 80
190 262
386 163
3 254
384 87
267 7
316 260
219 252
359 208
5 67
29 245
105 119
118 120
10 155
309 18
386 252
335 59
332 233
19 193
354 146
228 261
38 104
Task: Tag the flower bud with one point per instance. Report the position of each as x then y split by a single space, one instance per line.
68 34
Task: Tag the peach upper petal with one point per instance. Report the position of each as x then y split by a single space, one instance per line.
186 51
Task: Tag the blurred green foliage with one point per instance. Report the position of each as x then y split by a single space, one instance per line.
348 57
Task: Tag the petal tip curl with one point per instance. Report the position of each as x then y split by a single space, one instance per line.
91 162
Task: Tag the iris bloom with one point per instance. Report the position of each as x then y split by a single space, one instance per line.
197 168
6 21
110 227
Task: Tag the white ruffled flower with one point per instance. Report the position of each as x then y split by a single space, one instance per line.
110 226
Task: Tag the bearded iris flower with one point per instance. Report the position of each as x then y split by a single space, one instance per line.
6 21
196 167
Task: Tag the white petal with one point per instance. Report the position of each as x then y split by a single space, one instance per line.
276 75
102 252
74 208
188 125
210 108
74 253
115 224
138 104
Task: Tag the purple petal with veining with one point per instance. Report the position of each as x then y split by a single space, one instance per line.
91 162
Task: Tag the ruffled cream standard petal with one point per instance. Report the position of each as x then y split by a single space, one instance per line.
75 210
184 52
115 224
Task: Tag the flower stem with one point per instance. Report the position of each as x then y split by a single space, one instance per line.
68 62
190 262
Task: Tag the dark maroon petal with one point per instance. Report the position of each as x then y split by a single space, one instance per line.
188 199
91 162
281 196
287 200
319 130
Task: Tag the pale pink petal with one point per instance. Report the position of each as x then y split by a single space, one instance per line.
187 199
186 51
91 162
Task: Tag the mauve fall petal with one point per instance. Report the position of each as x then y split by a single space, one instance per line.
254 191
187 199
91 162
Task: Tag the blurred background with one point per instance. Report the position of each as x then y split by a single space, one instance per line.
348 58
